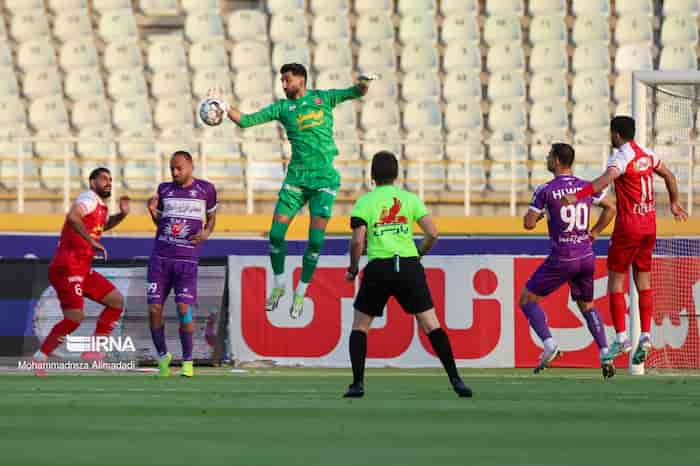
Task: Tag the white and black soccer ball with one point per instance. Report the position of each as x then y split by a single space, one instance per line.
211 112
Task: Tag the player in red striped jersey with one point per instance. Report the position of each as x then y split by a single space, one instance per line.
632 167
70 271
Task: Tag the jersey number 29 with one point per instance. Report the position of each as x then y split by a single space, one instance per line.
575 216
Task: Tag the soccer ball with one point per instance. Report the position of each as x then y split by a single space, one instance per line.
210 112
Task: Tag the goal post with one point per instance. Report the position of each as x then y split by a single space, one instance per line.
665 107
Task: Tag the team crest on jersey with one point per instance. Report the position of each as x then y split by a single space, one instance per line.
177 229
193 193
642 164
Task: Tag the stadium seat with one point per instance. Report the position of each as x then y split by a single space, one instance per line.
117 25
52 174
141 175
78 54
103 6
48 112
505 56
48 147
373 6
590 7
173 111
38 52
193 6
502 178
8 83
546 56
290 52
126 82
275 6
634 29
502 29
590 154
9 174
12 112
424 144
251 104
456 181
460 141
547 28
173 139
141 144
72 24
590 29
226 174
287 26
132 113
504 151
679 30
166 53
414 7
322 7
250 53
549 117
122 54
419 84
345 116
508 116
95 142
463 113
333 54
460 27
680 7
346 139
204 79
418 114
267 149
218 144
204 25
450 7
159 7
419 56
29 25
417 27
374 26
433 177
505 8
253 81
245 25
17 6
208 54
330 26
506 85
678 57
379 113
623 86
633 57
3 31
547 7
336 79
548 84
458 57
627 7
387 87
375 56
170 81
590 85
591 56
591 119
381 138
352 176
265 176
458 85
41 82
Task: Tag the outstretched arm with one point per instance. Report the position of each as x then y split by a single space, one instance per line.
677 210
595 186
243 120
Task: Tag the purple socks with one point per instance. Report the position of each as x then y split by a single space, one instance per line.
596 327
186 340
538 320
158 336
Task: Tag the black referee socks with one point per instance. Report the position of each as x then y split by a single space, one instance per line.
358 352
441 345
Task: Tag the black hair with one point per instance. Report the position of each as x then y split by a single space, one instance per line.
624 126
564 153
296 69
186 155
385 167
98 171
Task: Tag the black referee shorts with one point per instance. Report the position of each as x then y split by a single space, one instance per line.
380 281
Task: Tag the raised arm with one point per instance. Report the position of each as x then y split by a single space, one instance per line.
677 210
116 219
243 120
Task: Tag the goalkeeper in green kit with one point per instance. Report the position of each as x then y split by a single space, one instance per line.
307 117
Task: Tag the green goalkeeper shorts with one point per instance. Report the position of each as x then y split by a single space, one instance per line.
317 187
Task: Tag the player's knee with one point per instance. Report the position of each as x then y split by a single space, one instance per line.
184 314
75 315
155 309
428 321
278 233
526 297
315 243
585 306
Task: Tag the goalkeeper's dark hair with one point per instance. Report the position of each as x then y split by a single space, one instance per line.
184 154
624 126
97 172
564 153
296 69
385 167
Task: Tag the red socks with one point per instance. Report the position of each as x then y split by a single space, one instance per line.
108 319
57 334
618 309
646 309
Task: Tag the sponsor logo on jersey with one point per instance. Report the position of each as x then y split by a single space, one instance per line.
390 221
642 164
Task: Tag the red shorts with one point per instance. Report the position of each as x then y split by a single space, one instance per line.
631 250
73 285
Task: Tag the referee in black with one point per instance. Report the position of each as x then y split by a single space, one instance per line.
384 218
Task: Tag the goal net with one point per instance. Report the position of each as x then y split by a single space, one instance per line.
665 106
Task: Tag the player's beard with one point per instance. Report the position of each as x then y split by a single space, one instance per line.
104 194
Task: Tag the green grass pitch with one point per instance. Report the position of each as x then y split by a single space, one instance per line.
297 417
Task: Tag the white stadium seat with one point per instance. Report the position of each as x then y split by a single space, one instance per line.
463 113
244 25
173 111
208 53
590 85
103 6
52 173
374 56
48 112
333 54
413 7
507 115
623 87
41 82
287 26
433 177
379 113
266 176
626 7
38 52
367 6
335 79
678 57
549 115
3 31
455 177
546 56
459 57
419 55
253 81
117 25
159 7
173 139
505 56
226 174
506 85
57 6
450 7
166 53
371 27
351 176
502 29
16 6
193 6
92 111
8 83
275 6
94 142
590 28
250 53
505 7
72 24
417 27
633 57
345 139
5 56
77 54
457 85
591 56
171 81
345 116
204 25
461 140
132 113
547 28
634 29
267 149
29 25
678 30
548 84
547 7
460 27
12 112
140 145
140 175
217 143
422 113
251 104
126 82
381 138
418 84
590 7
210 78
591 115
425 143
290 52
680 7
501 177
122 54
321 7
330 26
504 151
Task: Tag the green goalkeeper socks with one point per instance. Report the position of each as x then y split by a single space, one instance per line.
278 246
311 254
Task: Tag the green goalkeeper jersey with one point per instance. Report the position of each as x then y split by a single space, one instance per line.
308 122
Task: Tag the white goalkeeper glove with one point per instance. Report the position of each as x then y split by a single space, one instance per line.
366 78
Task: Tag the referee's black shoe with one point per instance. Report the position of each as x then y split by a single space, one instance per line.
461 389
355 390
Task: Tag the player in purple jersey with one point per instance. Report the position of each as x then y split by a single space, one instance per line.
179 210
571 260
